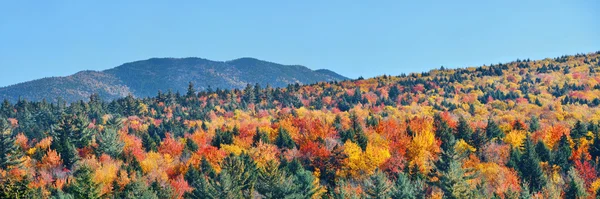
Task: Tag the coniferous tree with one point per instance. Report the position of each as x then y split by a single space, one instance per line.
576 187
529 167
84 186
579 130
10 154
109 143
542 151
464 130
378 186
284 140
62 134
493 130
562 154
260 136
534 124
405 188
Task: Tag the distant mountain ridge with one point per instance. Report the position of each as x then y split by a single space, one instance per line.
146 77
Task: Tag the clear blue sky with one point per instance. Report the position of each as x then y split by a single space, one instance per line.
53 38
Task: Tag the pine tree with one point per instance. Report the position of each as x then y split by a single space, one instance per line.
452 178
275 183
534 124
529 167
260 136
493 130
135 189
378 186
562 154
84 186
576 187
542 151
10 154
284 140
109 143
579 130
191 91
404 188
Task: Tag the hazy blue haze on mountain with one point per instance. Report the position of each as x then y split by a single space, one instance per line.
145 78
58 38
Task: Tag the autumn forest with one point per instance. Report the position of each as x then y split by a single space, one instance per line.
524 129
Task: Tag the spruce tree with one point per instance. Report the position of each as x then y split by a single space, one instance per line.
576 187
542 151
109 143
529 167
579 130
378 186
10 154
284 140
562 154
405 188
534 124
493 130
84 186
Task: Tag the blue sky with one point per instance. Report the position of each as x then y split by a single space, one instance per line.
354 38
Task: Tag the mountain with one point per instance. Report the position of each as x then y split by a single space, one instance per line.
145 78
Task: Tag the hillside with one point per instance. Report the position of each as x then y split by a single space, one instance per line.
145 78
524 129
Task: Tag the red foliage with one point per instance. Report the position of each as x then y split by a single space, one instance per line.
170 146
180 187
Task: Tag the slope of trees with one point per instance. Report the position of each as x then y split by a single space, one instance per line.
524 129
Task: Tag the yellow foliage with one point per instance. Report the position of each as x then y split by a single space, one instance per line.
230 148
463 146
515 138
363 163
422 148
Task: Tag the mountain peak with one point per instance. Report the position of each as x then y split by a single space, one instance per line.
146 77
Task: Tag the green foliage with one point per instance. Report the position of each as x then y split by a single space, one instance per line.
109 143
236 180
493 130
542 151
562 154
83 186
576 187
15 189
529 167
405 188
260 137
284 140
10 154
378 186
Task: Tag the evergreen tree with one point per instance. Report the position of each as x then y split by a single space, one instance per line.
452 178
576 187
493 130
260 136
542 151
135 189
284 140
109 143
529 167
594 149
404 188
275 183
237 179
15 189
562 154
10 154
464 130
579 130
191 91
534 124
378 186
84 186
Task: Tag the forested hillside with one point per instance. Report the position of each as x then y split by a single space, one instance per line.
145 78
524 129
